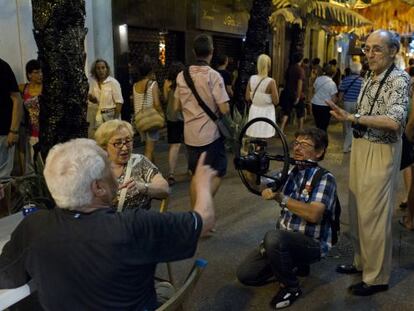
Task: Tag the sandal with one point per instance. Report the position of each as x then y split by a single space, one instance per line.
171 179
401 221
403 205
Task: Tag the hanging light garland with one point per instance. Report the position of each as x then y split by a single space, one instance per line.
161 50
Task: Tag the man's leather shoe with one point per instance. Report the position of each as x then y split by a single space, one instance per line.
347 269
363 289
351 288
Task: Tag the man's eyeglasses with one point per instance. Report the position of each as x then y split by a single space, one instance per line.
302 144
376 50
120 143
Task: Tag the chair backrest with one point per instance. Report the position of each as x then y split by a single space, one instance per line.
163 209
164 205
184 291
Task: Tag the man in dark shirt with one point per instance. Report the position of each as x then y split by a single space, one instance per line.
293 96
337 76
222 62
10 114
83 255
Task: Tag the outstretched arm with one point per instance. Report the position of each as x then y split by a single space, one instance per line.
202 181
378 122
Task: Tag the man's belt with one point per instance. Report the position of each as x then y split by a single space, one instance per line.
107 110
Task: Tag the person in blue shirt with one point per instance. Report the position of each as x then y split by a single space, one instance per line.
303 233
348 94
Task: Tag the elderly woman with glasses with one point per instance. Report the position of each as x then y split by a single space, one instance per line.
145 181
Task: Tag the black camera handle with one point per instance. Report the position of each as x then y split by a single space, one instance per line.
278 182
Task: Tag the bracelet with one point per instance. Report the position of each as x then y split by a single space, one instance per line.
283 202
14 131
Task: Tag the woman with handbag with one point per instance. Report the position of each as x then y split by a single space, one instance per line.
325 89
148 114
175 120
261 91
139 179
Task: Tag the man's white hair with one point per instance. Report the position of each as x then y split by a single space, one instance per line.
355 67
71 168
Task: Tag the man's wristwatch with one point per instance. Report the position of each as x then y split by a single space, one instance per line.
146 187
283 203
357 116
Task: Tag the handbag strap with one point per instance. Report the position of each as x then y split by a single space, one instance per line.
124 191
254 92
320 86
352 83
145 93
190 83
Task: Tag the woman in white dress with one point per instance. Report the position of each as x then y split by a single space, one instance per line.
262 93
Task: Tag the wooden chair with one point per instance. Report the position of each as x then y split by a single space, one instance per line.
176 301
163 209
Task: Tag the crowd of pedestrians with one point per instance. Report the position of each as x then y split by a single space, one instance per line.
86 177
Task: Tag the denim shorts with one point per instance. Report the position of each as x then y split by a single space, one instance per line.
153 135
216 156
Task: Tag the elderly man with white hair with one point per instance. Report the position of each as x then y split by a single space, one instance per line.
378 124
348 94
83 255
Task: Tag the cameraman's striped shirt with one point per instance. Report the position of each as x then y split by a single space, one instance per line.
324 192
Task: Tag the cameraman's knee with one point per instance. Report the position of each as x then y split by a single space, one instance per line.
275 240
245 276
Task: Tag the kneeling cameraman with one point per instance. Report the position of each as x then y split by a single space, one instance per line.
303 232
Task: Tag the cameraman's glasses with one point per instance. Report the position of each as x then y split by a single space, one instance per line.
301 144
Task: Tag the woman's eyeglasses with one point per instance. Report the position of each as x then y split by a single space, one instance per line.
120 143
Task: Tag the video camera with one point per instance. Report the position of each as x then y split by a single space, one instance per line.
256 160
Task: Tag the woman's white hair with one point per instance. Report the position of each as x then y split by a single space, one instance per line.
71 168
109 128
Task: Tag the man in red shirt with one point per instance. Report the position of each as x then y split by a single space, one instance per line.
292 96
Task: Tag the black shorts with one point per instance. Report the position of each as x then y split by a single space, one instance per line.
216 156
300 109
286 102
175 132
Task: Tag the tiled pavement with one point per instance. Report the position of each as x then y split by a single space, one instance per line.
243 219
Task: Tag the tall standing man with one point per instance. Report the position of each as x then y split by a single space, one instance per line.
375 161
200 131
10 114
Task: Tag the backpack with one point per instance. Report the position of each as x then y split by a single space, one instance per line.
335 222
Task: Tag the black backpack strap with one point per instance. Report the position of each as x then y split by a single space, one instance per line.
190 83
315 179
336 213
318 176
